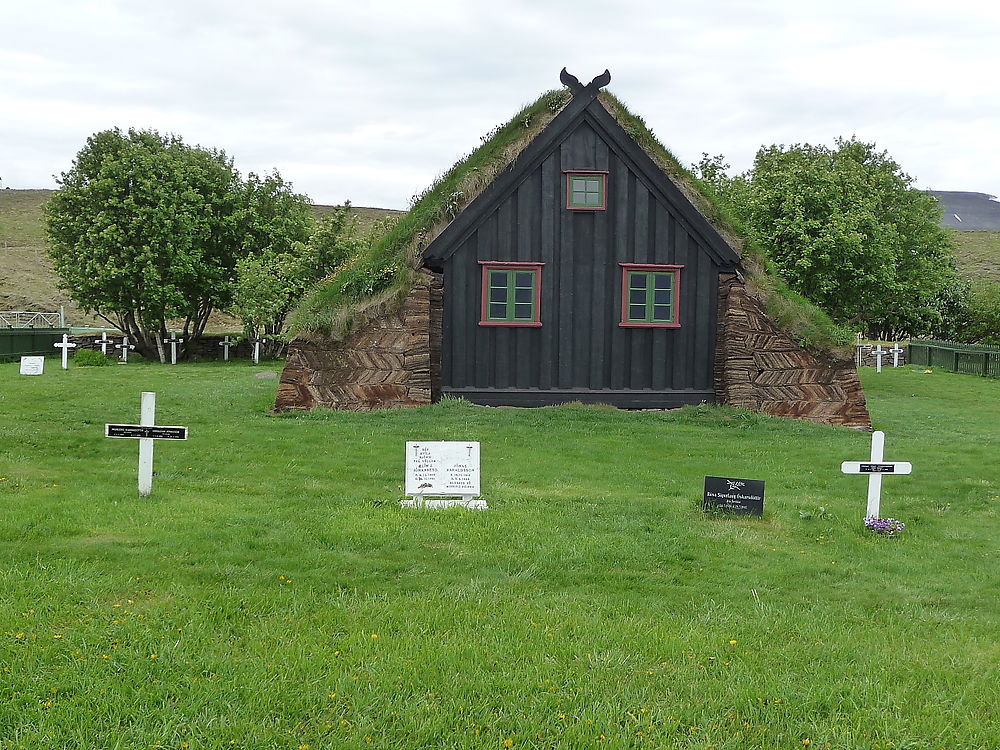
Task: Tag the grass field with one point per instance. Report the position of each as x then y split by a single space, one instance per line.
271 593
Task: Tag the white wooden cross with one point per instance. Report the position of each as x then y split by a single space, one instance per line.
66 345
125 346
146 432
879 352
875 468
256 349
225 352
895 352
104 343
173 341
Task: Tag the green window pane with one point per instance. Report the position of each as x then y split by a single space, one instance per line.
586 191
650 297
511 295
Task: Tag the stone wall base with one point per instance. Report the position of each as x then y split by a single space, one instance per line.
386 364
759 367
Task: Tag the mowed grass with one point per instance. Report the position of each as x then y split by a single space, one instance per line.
271 593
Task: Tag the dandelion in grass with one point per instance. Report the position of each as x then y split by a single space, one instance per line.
732 643
508 742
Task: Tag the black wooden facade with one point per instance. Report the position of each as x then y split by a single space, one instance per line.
581 351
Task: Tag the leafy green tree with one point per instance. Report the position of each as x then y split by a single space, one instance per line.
146 229
271 279
847 230
982 320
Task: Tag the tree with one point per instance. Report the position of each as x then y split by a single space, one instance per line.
272 279
846 229
145 229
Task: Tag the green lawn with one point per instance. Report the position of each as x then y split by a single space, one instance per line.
271 593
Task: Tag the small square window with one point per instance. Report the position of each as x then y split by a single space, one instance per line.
586 191
511 294
650 295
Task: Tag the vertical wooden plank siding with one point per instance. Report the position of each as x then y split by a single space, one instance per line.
580 350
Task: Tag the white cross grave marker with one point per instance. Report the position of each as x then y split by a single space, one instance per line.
66 345
225 352
879 352
895 352
146 432
125 346
875 468
104 343
173 341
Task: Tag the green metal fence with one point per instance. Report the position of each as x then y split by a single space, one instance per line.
974 359
18 342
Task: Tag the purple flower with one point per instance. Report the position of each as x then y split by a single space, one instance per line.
886 526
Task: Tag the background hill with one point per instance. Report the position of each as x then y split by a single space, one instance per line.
27 281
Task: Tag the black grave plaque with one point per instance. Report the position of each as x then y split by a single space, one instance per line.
877 468
154 432
742 496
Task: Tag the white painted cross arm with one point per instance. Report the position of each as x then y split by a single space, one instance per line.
868 467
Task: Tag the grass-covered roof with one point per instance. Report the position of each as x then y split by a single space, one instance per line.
379 277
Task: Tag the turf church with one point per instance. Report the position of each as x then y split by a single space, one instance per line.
583 271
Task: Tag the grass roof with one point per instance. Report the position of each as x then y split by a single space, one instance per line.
378 279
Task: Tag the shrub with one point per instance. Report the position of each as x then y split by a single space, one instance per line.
91 358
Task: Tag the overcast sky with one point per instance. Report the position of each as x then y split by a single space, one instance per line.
369 101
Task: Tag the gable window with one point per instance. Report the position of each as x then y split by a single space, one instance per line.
511 294
650 295
586 190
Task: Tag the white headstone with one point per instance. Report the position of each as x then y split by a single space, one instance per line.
66 345
32 365
876 468
443 469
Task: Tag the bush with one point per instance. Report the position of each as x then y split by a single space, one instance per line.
91 358
983 316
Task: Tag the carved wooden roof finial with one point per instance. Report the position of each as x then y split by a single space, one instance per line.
573 83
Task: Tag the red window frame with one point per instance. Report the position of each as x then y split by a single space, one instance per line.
587 173
491 265
650 268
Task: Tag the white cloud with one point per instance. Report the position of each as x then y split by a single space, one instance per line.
369 101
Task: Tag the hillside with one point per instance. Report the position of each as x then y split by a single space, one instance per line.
978 254
27 281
